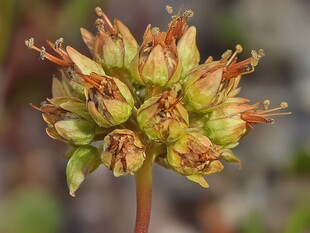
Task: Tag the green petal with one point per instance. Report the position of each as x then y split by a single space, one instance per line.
85 64
76 131
188 51
83 161
198 179
155 69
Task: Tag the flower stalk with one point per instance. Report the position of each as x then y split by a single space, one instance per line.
144 192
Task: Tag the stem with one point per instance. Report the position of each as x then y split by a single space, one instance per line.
144 192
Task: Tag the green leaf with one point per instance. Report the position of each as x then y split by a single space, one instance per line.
83 161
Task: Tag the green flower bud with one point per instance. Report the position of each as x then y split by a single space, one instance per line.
163 118
157 62
109 101
202 86
114 47
74 127
123 152
83 160
188 51
194 155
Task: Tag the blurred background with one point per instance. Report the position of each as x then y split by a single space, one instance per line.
271 193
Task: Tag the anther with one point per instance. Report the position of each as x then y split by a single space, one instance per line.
169 9
188 14
29 43
257 56
284 105
42 53
99 22
98 11
239 48
266 104
58 43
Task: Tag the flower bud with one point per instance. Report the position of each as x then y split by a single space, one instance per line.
109 101
123 152
114 47
73 127
193 155
163 118
157 62
202 86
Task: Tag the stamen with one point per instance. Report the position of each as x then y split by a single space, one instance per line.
238 50
262 116
44 54
234 69
105 19
88 80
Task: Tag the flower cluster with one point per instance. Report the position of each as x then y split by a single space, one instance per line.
131 98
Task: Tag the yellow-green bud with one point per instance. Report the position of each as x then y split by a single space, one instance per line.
163 118
157 62
123 152
109 101
202 86
194 155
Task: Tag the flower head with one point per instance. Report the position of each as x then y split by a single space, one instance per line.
152 102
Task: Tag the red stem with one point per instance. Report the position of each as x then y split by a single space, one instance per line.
144 193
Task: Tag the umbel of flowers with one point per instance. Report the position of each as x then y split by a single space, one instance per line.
153 103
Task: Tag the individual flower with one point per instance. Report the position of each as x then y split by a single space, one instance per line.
123 152
109 101
68 120
157 62
194 156
212 82
113 47
230 121
163 118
